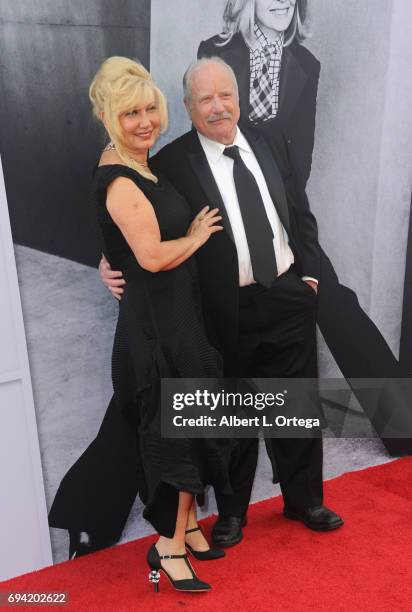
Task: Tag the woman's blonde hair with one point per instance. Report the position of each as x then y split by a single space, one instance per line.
239 16
119 86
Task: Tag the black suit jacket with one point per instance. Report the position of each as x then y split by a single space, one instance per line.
299 76
184 163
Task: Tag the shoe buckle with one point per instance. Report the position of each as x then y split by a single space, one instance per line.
154 576
166 557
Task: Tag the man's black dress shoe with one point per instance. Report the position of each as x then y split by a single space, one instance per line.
83 543
318 518
227 531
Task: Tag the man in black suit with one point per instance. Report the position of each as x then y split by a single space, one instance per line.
258 278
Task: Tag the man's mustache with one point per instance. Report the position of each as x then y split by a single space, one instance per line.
218 117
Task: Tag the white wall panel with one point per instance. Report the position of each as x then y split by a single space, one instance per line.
24 534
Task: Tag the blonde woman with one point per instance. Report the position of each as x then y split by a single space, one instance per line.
148 234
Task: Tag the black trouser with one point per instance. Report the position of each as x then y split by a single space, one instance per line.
355 342
360 351
277 339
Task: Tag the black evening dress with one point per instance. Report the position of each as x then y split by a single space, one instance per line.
159 333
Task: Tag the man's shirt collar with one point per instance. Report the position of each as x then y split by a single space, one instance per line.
214 150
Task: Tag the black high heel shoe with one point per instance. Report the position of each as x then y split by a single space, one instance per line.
187 584
204 555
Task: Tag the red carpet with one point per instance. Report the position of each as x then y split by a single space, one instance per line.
279 565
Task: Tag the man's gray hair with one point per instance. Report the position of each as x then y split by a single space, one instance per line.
187 77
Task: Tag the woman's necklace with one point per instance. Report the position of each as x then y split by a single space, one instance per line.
112 147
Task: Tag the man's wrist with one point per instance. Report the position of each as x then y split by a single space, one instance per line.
310 278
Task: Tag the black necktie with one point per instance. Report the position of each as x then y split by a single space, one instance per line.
257 227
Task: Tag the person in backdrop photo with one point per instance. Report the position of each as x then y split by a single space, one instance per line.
278 84
277 76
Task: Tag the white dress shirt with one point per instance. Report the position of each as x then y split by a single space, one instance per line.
222 170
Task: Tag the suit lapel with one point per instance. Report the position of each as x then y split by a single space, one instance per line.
199 163
236 54
273 177
291 82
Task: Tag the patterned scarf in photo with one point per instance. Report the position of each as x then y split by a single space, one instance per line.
265 62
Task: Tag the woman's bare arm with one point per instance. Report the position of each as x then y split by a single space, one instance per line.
134 215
